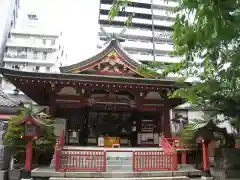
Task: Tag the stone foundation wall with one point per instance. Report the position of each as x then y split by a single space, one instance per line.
226 163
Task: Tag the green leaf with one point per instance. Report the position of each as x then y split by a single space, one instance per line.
14 135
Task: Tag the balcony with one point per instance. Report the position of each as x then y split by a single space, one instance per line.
137 46
136 33
167 23
146 46
159 58
24 58
28 44
35 32
163 47
129 9
165 4
163 14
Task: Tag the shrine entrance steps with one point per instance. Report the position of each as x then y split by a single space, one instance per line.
90 163
181 174
142 178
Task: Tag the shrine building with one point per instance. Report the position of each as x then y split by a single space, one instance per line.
105 95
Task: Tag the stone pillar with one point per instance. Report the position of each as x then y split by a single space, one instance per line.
5 154
166 125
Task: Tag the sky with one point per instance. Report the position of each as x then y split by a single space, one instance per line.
77 19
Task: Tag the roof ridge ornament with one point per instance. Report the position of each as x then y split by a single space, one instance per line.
114 36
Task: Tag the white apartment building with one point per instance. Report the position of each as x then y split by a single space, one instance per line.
32 47
8 14
148 37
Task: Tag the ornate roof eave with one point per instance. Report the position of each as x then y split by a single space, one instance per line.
112 45
13 75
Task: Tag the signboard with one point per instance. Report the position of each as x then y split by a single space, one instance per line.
119 161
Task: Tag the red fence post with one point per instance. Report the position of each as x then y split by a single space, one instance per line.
174 160
184 157
133 162
56 159
105 161
205 156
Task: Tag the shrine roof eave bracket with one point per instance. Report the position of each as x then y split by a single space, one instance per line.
87 78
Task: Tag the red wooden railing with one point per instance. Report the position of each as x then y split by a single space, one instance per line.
154 160
169 148
166 146
95 160
175 143
172 145
83 160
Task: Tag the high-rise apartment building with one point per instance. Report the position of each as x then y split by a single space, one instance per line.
8 15
148 37
32 47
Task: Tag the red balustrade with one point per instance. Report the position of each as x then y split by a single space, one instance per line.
175 143
154 160
83 160
166 146
95 160
62 139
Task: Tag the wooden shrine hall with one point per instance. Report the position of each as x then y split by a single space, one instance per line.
105 95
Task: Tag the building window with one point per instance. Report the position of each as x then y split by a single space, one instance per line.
32 17
37 68
44 41
53 41
35 55
44 55
47 69
22 53
16 67
16 91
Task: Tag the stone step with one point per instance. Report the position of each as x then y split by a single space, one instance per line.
126 178
48 172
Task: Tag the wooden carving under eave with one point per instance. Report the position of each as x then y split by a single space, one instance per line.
110 64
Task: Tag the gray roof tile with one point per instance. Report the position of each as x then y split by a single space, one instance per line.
7 101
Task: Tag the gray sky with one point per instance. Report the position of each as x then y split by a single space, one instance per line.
78 20
81 28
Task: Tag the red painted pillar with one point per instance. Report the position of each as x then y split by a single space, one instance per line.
205 156
166 126
184 157
28 160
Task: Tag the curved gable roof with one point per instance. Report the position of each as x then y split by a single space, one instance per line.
112 46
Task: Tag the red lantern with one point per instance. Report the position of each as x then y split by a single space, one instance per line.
31 127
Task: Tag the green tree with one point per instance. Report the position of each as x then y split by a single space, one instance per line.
15 132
